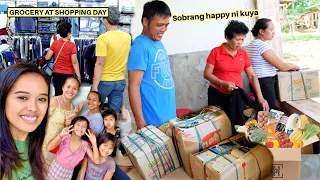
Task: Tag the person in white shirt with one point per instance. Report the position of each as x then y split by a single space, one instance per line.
264 61
57 36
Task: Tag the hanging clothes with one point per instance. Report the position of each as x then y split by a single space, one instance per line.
7 57
25 24
81 44
90 58
75 25
27 48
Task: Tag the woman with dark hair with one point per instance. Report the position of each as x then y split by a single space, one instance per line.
93 114
61 112
264 61
224 68
24 97
66 62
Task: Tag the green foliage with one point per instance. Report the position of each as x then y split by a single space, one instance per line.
285 27
303 37
299 7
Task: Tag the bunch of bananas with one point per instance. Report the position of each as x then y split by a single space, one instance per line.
297 134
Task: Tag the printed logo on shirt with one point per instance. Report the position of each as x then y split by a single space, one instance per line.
161 72
25 177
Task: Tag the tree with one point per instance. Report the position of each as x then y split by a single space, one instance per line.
301 6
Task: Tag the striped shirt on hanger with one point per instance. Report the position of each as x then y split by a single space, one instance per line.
261 67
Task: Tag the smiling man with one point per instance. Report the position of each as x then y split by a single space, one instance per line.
151 86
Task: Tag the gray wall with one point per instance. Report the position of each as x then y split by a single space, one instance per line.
191 87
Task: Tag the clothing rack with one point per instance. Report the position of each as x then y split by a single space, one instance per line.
27 47
84 38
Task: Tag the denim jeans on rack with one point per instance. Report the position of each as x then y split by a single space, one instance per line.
16 47
79 46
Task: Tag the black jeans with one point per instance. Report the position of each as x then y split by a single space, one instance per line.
217 98
268 89
58 81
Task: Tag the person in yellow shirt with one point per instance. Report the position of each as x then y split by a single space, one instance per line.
112 51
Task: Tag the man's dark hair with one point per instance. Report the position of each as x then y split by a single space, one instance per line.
235 28
64 28
113 16
155 8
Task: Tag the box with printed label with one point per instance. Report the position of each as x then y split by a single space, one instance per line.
151 152
311 82
235 158
298 85
286 163
199 133
290 86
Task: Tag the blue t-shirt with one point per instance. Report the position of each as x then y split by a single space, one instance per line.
157 86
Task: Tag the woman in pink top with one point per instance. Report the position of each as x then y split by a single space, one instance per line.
72 149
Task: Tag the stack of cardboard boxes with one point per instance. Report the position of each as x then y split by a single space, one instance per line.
297 85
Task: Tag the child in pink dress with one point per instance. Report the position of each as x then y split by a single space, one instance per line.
72 149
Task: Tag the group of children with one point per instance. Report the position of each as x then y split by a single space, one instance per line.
89 140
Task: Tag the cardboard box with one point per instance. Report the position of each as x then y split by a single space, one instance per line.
311 82
151 152
286 163
298 85
290 86
239 163
199 133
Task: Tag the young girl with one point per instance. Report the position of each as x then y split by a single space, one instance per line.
109 120
61 113
72 149
93 113
106 166
24 97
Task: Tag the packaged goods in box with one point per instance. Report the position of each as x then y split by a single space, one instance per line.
199 133
235 158
290 86
151 152
311 82
298 85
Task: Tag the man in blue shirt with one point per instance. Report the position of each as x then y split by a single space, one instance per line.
151 86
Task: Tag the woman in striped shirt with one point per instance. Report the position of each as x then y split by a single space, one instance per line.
264 61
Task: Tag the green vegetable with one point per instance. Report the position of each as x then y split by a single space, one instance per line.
236 126
310 130
258 135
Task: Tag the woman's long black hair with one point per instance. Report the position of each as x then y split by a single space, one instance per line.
9 155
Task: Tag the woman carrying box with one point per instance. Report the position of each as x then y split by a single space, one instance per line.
265 61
